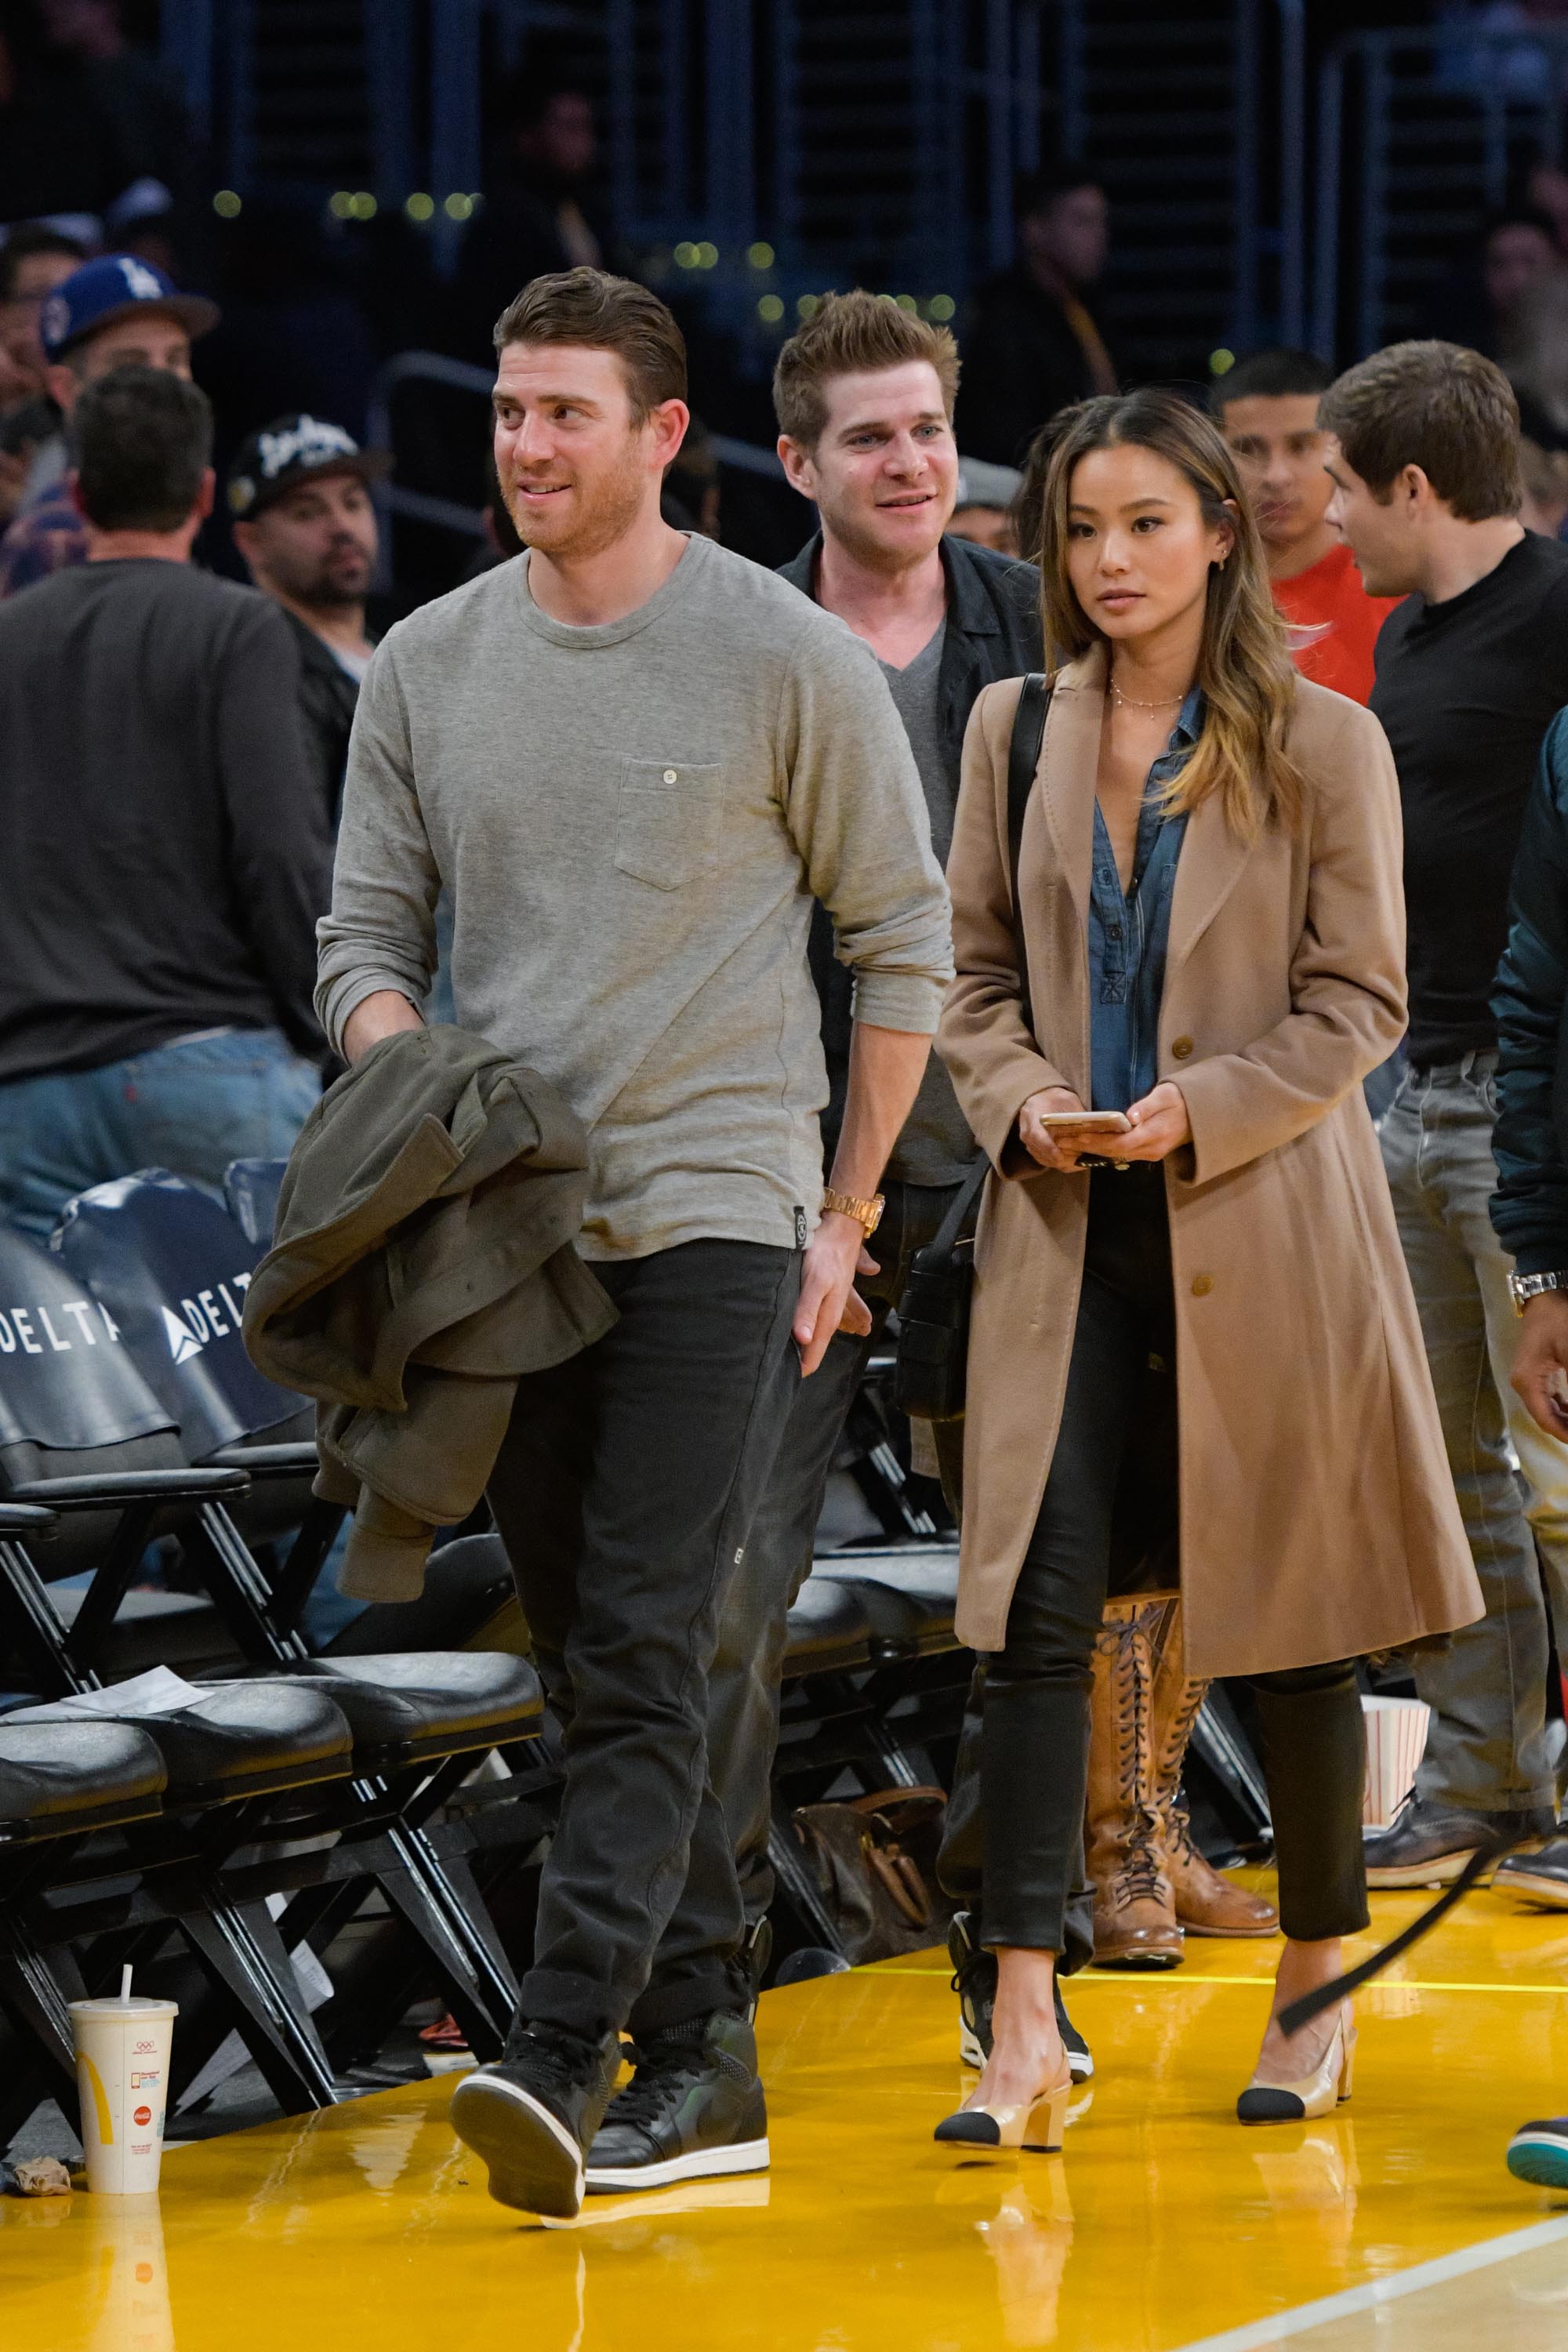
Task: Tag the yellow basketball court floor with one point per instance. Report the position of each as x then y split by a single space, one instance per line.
1164 2227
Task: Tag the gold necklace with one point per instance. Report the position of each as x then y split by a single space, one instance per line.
1130 702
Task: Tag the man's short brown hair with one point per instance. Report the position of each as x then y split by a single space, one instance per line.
604 314
1438 406
850 335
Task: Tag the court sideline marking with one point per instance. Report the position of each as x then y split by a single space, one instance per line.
1258 2334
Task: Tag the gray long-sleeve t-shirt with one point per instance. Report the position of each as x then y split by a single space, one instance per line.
633 821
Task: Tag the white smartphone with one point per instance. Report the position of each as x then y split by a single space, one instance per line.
1089 1122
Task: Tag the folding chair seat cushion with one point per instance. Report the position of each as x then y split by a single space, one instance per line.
408 1706
56 1780
239 1740
909 1601
829 1631
469 1603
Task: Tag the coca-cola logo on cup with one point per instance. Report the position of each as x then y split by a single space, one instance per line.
143 2116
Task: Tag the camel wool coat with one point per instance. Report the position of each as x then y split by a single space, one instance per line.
1318 1518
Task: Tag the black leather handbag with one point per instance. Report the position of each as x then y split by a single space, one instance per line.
931 1363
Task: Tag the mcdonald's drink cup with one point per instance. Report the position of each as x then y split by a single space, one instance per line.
122 2075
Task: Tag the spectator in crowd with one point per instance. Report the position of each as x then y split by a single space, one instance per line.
110 313
1032 343
1545 473
299 492
1534 357
164 850
1475 306
137 99
34 259
1470 672
691 485
539 212
632 756
984 511
1267 408
59 153
1530 1206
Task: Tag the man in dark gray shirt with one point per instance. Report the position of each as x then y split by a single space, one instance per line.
164 856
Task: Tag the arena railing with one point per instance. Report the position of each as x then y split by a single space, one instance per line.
1441 117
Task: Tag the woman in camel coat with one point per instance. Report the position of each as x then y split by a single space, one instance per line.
1210 906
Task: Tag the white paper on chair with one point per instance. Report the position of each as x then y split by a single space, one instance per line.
157 1692
1396 1732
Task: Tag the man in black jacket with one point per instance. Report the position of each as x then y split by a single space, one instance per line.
1031 342
864 396
1530 1212
299 491
164 856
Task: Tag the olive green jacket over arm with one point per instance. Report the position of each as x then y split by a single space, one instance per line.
425 1258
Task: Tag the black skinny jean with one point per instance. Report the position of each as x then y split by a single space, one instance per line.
1035 1753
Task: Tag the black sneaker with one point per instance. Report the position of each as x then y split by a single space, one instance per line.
1539 2152
693 2109
974 1982
1540 1877
1429 1844
532 2114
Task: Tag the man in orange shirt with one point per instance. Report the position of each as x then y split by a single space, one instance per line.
1267 407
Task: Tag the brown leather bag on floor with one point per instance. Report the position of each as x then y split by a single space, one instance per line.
874 1862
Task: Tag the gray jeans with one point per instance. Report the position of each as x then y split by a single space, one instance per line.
1491 1749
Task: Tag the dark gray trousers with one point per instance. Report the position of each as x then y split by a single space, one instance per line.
623 1491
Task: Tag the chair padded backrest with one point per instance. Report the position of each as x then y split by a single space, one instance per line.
172 1268
251 1188
69 1383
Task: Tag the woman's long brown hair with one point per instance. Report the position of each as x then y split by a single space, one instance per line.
1244 666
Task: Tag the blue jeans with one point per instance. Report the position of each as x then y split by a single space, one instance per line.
188 1107
1491 1749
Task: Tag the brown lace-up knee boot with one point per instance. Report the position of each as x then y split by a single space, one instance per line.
1207 1903
1134 1911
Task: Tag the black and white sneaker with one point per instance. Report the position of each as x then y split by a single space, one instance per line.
693 2110
974 1982
532 2114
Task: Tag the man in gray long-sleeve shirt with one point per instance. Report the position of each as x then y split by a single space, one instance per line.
635 760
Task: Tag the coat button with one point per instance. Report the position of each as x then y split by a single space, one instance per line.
669 778
1201 1285
1181 1047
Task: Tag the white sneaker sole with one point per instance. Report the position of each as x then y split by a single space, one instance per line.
699 2164
534 2163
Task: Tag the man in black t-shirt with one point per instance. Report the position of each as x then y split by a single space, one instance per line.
164 850
1470 670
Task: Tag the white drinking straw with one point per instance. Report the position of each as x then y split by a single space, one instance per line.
125 1984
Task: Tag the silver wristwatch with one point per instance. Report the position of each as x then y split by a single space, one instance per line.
1525 1286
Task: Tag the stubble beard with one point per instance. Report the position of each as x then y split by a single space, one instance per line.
616 502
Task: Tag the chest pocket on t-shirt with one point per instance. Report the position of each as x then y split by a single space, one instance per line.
667 829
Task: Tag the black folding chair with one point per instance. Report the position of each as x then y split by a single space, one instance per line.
172 1268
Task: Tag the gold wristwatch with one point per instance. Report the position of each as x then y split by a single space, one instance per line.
868 1214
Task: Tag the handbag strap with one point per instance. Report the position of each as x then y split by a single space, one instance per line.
944 1241
1023 760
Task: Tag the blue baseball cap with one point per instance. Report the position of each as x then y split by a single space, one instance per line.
115 287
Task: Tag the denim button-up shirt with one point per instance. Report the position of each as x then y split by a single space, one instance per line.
1128 932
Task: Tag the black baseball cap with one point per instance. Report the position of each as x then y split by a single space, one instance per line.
290 450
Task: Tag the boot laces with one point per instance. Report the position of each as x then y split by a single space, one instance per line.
1140 1873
